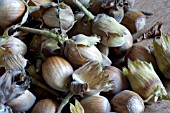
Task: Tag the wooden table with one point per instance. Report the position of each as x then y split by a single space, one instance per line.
160 10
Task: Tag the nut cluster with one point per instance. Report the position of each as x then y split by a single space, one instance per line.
53 53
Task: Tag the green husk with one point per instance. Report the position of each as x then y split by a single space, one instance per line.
93 75
162 54
111 32
78 108
144 80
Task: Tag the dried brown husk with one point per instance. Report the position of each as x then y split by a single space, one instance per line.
114 10
81 26
46 46
9 89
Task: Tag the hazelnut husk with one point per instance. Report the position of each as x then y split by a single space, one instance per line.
121 50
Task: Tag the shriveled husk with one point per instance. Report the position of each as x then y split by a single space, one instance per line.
144 80
114 10
162 54
81 26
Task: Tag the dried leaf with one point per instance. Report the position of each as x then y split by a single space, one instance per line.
148 32
78 88
78 108
9 89
49 45
35 44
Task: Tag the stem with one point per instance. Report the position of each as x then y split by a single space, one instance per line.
65 101
88 13
58 2
37 83
43 33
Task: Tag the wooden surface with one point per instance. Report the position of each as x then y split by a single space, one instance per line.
161 12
